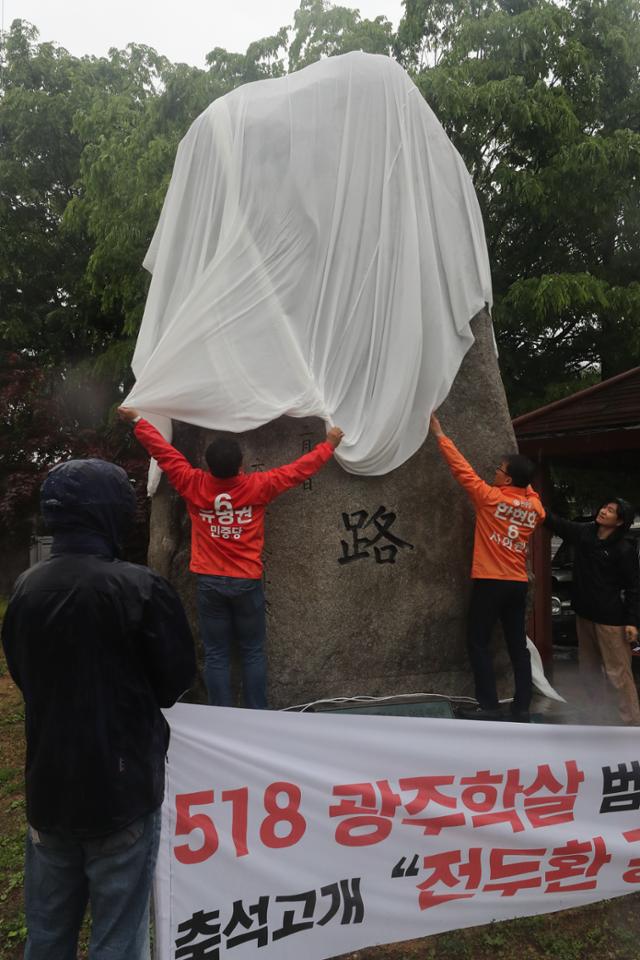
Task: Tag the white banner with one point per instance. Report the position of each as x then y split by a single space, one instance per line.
292 835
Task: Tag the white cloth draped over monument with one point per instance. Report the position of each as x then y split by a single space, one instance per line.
320 252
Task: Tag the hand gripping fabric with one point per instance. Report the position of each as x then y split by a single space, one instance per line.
320 252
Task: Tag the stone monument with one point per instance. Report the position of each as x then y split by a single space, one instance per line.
366 578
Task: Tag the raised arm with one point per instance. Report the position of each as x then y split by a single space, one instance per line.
179 471
565 529
274 482
463 472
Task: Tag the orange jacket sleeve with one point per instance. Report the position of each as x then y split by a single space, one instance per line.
478 490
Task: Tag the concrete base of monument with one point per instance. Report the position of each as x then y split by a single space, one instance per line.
408 705
563 672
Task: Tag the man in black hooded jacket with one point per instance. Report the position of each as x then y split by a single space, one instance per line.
97 647
605 600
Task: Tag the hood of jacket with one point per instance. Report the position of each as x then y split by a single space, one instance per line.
88 506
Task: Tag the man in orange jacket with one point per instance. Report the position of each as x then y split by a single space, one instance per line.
507 513
227 508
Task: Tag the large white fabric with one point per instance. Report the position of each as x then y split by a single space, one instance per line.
320 252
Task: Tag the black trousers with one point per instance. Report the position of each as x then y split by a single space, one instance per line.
503 600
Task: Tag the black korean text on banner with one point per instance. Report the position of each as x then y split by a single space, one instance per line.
269 919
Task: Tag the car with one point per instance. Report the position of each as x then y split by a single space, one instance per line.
563 618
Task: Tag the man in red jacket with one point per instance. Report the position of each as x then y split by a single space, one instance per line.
226 508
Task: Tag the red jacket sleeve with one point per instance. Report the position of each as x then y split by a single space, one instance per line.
463 472
180 473
275 482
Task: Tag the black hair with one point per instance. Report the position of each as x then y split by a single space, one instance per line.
224 457
626 512
519 468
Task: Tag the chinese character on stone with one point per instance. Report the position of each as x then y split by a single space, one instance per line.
371 533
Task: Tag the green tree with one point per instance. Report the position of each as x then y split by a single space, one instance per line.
41 288
542 99
264 60
322 29
53 329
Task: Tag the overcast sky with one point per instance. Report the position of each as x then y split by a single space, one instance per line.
182 30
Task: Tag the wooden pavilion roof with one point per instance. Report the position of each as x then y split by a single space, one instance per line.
601 418
598 427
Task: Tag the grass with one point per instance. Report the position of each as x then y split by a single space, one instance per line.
12 822
603 931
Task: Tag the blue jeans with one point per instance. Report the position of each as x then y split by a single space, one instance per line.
231 609
112 874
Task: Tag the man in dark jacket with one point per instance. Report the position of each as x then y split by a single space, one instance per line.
605 599
96 646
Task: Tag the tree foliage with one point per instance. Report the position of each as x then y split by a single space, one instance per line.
541 97
47 418
322 29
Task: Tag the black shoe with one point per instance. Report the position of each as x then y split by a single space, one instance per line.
520 716
479 713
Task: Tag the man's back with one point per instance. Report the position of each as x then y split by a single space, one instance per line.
227 515
506 517
87 641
